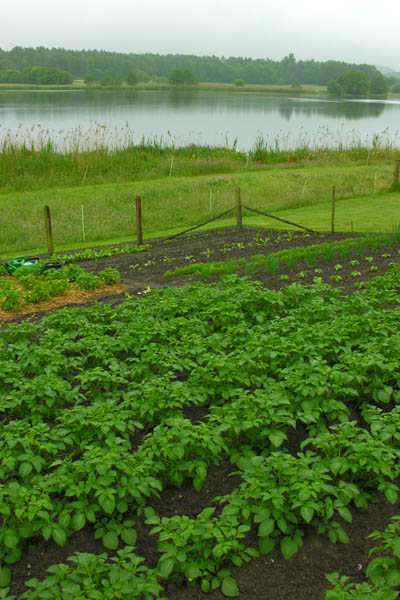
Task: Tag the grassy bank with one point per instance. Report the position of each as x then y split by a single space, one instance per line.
172 204
85 159
156 85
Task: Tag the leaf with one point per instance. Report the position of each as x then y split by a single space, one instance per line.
266 527
166 566
391 495
13 556
261 515
389 595
266 544
385 394
26 530
78 521
393 578
288 547
237 561
197 483
108 505
129 536
25 469
229 587
332 536
396 548
46 532
102 468
342 536
122 506
276 438
110 540
11 538
59 536
5 576
345 513
192 572
281 522
64 520
205 586
153 520
335 465
230 509
307 513
218 551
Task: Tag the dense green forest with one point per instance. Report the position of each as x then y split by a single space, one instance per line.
98 65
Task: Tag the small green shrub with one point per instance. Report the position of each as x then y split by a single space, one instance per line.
72 272
12 299
109 276
40 291
87 281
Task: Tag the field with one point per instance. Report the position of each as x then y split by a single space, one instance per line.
241 437
301 193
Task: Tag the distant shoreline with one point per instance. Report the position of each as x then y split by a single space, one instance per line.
208 87
78 85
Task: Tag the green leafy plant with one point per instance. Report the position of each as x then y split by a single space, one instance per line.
90 254
197 548
93 575
110 276
383 571
87 281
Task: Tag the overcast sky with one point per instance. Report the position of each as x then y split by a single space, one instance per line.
360 31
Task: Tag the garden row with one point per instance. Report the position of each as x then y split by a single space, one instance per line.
90 254
94 427
32 284
290 258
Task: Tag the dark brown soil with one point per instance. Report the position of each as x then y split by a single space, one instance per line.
269 576
143 270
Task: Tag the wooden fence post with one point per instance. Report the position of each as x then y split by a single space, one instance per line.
239 210
139 229
396 172
333 210
49 231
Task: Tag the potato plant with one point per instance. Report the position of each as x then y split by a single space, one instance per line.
34 286
94 427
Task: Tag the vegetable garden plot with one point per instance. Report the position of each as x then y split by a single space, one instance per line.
94 432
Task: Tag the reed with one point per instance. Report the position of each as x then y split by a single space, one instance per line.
37 158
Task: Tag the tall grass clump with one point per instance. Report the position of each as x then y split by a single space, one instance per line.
325 145
33 159
37 158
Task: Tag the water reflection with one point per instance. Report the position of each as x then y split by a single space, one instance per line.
339 109
207 115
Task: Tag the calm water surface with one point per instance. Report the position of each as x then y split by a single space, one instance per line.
87 118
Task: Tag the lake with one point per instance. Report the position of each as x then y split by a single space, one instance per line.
84 118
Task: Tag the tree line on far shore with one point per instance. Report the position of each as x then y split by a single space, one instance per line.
60 66
355 83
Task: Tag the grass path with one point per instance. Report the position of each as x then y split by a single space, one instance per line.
172 204
368 214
